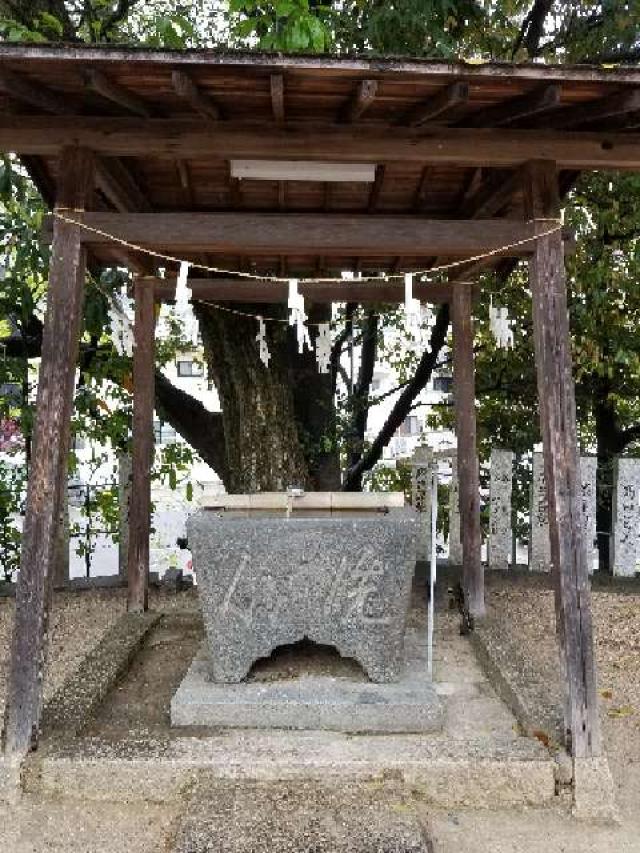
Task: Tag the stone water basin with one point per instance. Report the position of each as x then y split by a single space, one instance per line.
334 568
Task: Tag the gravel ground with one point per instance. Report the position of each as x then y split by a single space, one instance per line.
78 622
526 614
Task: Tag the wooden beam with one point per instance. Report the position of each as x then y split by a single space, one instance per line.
612 106
376 189
336 234
360 101
468 473
193 94
539 100
456 146
276 86
265 292
111 91
52 430
438 105
556 396
142 450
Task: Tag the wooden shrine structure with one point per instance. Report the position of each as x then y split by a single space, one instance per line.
462 160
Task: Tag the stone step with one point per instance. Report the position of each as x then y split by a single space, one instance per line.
473 772
303 817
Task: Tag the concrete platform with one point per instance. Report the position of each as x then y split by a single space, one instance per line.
131 754
309 702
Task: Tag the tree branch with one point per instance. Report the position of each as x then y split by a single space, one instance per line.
404 402
199 427
359 402
532 28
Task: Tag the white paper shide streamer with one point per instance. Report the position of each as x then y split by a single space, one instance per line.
297 316
501 326
261 338
121 322
183 308
411 308
323 347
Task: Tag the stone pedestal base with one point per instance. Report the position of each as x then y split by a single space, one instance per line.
308 702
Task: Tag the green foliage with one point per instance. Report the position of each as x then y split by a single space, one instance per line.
287 25
12 494
384 478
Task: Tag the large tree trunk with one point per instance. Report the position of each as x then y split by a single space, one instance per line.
276 419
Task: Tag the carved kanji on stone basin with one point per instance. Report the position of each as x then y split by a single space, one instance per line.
340 581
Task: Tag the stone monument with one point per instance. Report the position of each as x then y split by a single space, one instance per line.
539 544
500 533
421 467
625 551
455 541
588 470
336 576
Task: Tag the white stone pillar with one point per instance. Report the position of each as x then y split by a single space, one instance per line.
421 465
625 553
455 542
588 472
124 499
539 543
501 485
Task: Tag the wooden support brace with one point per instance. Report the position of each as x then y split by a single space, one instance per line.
468 473
49 462
142 452
558 422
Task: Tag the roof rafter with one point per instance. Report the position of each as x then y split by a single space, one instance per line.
360 101
541 99
20 88
186 88
276 88
106 88
376 188
592 111
438 105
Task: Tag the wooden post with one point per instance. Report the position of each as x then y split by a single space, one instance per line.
49 459
468 474
562 472
142 451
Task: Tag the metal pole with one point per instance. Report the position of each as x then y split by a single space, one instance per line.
432 577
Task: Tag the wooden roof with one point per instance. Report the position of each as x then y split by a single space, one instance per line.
166 124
